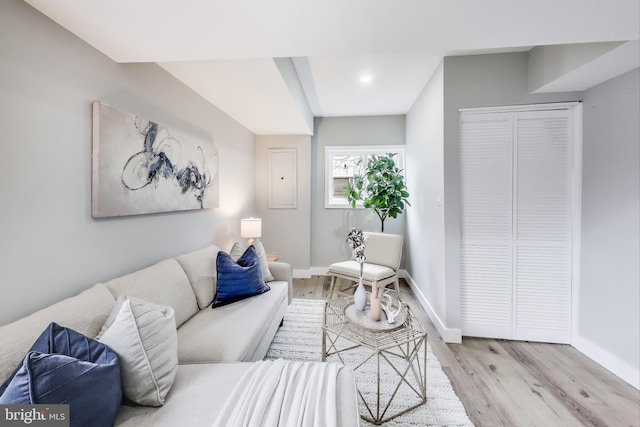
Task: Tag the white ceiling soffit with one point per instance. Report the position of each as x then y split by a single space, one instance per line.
252 91
375 84
567 68
223 49
190 30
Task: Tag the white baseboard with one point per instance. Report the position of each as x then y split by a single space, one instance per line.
302 274
610 361
318 271
449 335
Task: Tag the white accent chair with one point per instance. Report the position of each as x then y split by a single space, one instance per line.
383 253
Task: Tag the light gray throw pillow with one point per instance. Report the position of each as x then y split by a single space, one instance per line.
237 251
144 337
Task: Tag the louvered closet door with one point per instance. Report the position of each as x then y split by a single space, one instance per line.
542 249
486 152
515 259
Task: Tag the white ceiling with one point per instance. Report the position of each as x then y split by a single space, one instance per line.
224 49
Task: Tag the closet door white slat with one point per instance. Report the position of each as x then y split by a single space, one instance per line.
542 257
516 195
486 144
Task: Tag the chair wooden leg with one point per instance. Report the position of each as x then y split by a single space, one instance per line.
396 285
333 284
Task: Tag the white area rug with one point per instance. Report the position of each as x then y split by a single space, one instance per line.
300 338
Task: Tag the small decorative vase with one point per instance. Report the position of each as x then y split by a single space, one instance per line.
360 296
374 308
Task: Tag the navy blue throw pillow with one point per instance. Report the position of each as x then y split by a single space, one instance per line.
66 367
238 280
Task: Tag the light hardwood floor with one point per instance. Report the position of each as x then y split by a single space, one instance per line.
515 383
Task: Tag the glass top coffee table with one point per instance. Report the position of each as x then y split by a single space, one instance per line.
389 360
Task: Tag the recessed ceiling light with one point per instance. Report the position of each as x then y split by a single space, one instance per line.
366 78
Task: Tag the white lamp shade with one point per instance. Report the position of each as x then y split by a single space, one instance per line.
251 228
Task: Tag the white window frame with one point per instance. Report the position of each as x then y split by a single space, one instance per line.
332 201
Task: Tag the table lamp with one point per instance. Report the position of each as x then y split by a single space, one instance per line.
250 228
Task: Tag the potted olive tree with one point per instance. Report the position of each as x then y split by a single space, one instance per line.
381 189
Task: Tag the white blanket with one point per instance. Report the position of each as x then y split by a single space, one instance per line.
285 394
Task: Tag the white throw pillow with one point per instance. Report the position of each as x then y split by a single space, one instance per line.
144 337
237 251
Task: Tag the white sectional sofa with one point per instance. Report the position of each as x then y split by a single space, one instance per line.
216 346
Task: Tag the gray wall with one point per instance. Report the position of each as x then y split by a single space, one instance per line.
286 231
425 177
329 227
610 277
50 247
476 81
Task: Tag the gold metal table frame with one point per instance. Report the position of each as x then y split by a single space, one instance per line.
403 349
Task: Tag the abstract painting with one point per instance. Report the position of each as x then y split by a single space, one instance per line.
141 167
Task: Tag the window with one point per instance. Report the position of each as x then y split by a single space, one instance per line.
344 162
